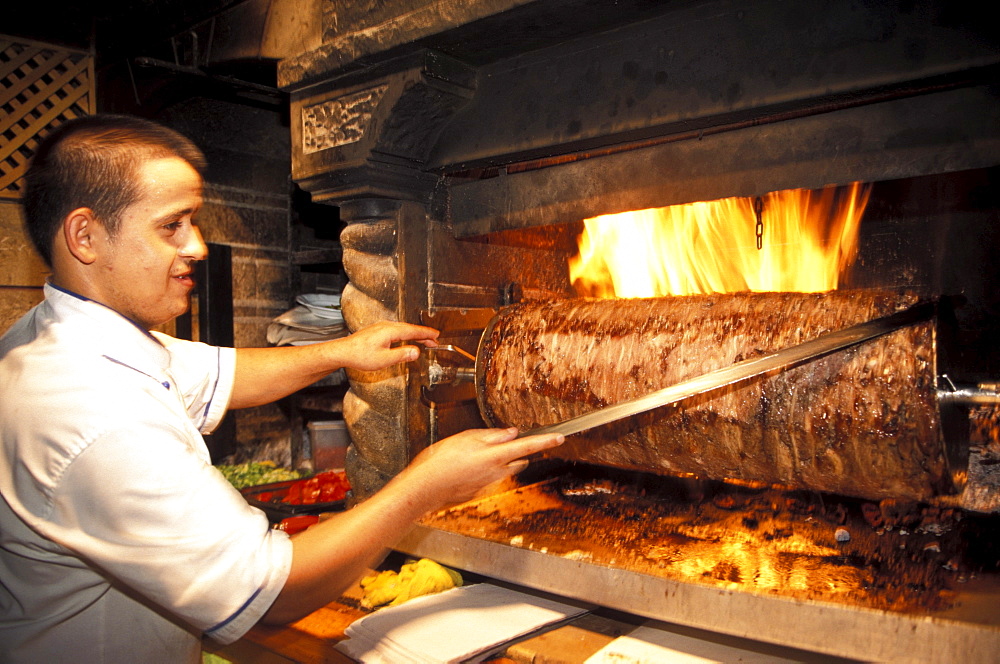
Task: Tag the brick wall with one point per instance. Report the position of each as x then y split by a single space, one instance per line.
22 272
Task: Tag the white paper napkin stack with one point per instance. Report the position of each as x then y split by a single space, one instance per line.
668 646
463 624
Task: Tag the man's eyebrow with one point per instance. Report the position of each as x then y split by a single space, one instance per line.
177 214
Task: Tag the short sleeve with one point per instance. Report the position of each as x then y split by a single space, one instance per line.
205 376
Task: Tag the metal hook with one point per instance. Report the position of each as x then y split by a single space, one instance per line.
453 349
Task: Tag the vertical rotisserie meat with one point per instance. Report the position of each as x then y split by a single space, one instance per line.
860 422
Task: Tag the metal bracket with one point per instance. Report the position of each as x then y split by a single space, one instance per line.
439 374
449 382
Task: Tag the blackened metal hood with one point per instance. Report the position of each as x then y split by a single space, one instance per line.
683 101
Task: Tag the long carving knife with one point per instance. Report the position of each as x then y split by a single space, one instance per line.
777 360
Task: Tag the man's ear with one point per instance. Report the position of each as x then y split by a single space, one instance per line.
79 228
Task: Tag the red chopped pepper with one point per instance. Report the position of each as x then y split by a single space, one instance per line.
310 491
295 524
294 495
325 487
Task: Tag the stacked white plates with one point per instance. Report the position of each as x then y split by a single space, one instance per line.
316 318
322 305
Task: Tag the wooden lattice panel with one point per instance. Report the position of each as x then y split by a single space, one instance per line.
41 86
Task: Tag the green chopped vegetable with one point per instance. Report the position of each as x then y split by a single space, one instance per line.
243 475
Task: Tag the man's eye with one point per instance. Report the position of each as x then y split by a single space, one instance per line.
172 226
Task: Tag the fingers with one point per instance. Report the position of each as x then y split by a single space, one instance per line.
461 465
402 332
529 445
495 436
502 446
401 354
384 344
517 465
512 450
418 333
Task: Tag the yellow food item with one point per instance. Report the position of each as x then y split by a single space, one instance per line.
380 588
415 578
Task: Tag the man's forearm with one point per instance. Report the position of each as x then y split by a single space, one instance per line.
264 375
334 553
331 555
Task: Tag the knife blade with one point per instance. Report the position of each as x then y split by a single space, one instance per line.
785 358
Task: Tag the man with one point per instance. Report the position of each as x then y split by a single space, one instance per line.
118 539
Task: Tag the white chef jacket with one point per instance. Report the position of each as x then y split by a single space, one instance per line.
119 542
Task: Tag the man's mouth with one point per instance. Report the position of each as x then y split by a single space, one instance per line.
186 279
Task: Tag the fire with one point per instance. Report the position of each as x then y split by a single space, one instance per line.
807 241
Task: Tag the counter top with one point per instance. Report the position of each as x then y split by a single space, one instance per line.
312 640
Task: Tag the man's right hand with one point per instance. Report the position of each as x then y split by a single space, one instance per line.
456 468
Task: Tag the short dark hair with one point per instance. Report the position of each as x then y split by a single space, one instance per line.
92 162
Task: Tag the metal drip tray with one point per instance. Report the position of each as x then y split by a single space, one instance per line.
836 576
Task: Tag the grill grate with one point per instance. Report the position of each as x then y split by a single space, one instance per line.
42 87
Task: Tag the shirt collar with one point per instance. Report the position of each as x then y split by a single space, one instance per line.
109 333
49 287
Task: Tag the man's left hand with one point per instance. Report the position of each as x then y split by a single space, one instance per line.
384 344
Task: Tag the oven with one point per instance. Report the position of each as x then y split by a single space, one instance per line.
778 171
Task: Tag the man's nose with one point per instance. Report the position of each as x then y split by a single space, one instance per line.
195 247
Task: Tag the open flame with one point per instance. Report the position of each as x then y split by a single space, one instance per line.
808 239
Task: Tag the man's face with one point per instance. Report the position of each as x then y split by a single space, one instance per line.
145 269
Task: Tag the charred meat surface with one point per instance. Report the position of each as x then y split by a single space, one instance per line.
860 422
